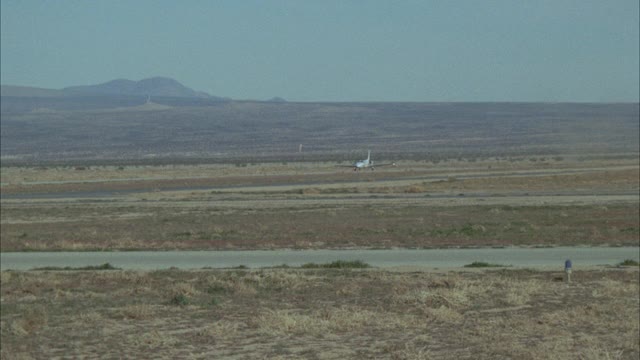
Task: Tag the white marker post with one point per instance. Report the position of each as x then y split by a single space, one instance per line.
567 270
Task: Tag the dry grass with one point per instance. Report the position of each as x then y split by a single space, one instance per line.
153 340
463 294
221 330
333 313
91 318
329 321
336 224
136 311
5 277
32 319
184 289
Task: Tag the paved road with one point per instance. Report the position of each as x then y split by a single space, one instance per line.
440 258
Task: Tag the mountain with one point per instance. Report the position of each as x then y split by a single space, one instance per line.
156 86
115 94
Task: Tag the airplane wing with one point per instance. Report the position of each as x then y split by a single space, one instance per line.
385 164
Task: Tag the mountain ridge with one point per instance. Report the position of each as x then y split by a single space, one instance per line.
155 86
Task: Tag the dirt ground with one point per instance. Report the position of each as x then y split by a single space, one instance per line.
321 314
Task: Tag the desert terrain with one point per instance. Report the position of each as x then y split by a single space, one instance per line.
308 313
490 202
230 176
315 312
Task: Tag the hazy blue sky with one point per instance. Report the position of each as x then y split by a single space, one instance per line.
447 50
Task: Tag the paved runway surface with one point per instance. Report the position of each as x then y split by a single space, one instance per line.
439 258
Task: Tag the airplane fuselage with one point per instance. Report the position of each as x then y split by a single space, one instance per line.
362 164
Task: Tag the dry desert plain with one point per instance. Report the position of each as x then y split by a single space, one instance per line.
493 202
320 313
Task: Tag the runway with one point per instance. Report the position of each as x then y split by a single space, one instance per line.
518 257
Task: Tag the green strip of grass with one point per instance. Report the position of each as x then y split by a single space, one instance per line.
105 266
481 264
339 264
629 262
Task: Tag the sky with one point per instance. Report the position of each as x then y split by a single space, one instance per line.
333 50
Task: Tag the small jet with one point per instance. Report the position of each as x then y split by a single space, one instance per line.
366 163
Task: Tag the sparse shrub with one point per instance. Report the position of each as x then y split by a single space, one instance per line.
216 289
105 266
339 264
629 262
482 264
467 230
180 300
214 302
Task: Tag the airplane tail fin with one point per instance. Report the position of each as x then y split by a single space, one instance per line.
369 156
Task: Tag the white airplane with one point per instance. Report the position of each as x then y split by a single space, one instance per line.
366 163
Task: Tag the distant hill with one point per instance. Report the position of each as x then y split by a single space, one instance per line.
155 87
115 94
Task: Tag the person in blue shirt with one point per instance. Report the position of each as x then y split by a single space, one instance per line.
567 269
